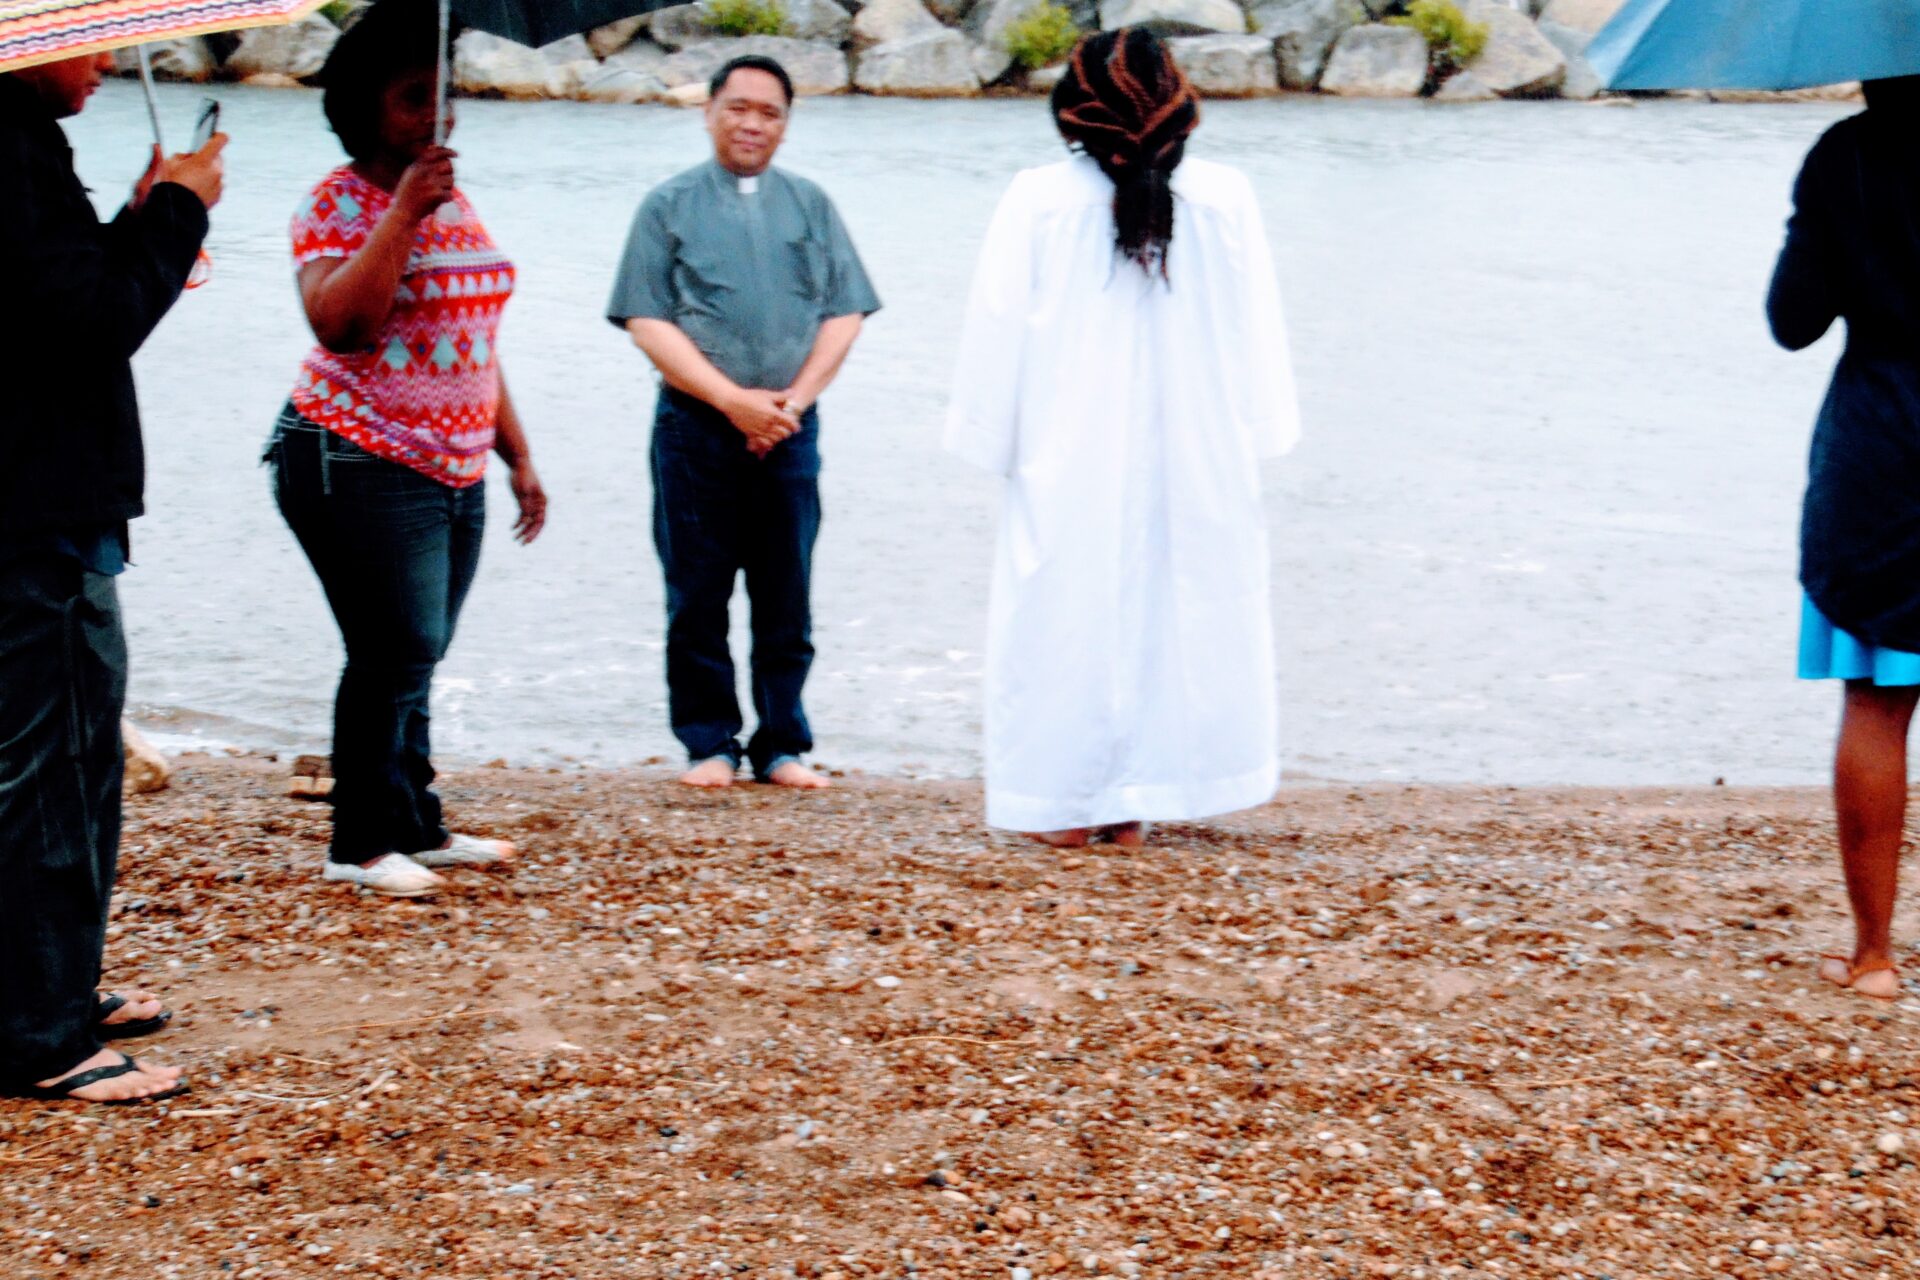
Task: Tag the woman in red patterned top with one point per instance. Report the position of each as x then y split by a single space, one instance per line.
380 454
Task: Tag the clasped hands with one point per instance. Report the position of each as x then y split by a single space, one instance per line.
765 418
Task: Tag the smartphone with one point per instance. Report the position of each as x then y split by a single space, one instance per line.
208 124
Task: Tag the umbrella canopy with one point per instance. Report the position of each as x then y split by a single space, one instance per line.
538 22
1756 44
37 31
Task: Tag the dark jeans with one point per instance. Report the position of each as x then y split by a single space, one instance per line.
63 682
395 552
718 511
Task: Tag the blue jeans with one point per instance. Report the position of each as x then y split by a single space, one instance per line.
718 512
395 552
63 680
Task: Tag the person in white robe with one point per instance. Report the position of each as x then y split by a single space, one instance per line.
1126 382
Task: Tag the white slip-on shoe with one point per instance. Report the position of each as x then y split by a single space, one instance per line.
392 875
467 851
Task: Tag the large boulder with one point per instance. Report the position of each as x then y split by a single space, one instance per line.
487 64
1303 33
1228 66
1464 86
1376 61
1582 15
146 769
1582 81
680 25
629 76
188 59
615 36
938 64
816 68
883 21
1518 61
299 49
817 20
1175 17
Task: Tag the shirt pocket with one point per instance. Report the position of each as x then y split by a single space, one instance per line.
809 268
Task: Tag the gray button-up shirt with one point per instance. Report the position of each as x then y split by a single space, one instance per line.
747 268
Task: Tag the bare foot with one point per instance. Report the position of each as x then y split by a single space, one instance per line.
1875 979
1076 838
1127 835
139 1007
710 774
142 1082
798 776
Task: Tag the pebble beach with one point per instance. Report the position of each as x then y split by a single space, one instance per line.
1364 1031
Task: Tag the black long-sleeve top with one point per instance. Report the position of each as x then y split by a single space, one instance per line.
1853 252
80 296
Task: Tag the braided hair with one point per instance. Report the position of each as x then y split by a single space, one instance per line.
1126 105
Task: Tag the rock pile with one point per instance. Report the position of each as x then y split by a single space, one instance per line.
960 48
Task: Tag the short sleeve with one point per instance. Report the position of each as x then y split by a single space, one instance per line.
983 413
849 291
1266 400
332 222
643 286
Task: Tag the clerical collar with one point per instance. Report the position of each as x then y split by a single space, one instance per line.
748 185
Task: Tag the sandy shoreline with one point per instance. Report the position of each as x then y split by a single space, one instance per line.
1360 1032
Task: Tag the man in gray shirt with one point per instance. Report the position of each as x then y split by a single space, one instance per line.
742 287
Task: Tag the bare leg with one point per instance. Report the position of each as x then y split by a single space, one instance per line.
1870 803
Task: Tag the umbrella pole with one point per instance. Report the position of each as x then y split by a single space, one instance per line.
440 101
153 103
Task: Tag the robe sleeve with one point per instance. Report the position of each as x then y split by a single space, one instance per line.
983 415
1261 368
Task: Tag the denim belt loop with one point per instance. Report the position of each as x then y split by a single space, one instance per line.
326 452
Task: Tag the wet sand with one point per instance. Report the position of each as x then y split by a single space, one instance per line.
1360 1032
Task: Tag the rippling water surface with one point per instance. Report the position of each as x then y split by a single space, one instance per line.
1541 528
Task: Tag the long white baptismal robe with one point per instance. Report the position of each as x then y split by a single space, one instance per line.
1130 671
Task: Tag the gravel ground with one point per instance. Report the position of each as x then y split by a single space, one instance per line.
1374 1032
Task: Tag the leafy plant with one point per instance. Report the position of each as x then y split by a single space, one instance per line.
746 17
1041 37
339 11
1452 39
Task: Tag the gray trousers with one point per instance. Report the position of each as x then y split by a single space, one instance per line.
63 682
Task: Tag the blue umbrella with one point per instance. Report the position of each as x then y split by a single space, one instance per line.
1756 44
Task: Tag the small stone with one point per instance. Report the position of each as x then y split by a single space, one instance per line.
1021 1273
888 981
1890 1144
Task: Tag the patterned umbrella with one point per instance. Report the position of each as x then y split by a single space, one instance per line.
36 31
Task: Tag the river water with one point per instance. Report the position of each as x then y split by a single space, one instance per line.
1540 529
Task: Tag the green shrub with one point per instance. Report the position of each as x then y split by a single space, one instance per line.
1452 40
338 12
746 17
1041 37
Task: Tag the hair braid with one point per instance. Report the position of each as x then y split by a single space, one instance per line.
1125 103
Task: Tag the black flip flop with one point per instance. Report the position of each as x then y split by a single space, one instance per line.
127 1030
62 1090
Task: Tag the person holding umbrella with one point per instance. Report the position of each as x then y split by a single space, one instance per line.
83 297
379 455
1853 252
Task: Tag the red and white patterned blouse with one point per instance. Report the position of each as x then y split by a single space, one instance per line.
426 392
